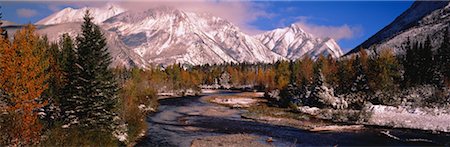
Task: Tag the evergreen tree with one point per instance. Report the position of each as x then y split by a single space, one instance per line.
442 61
317 88
360 81
70 72
95 89
345 74
418 63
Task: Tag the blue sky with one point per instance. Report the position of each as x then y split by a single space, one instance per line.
349 22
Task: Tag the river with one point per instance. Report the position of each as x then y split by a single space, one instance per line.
181 120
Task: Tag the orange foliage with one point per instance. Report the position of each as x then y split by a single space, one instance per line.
22 77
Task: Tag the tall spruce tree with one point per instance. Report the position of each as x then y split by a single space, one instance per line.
95 89
442 61
360 81
418 63
70 73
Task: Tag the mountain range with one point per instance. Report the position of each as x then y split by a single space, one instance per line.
165 35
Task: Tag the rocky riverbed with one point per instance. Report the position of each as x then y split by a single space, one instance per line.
194 121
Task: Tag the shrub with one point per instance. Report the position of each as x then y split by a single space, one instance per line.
137 98
78 137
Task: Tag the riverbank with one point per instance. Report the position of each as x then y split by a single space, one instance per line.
193 120
259 111
315 119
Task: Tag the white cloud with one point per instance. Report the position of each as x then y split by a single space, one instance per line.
26 13
336 32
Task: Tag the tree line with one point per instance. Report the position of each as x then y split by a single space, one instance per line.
67 84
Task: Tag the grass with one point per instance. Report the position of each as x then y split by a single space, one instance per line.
78 137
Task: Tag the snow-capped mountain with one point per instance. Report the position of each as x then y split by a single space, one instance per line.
166 35
122 56
422 19
7 23
76 15
293 43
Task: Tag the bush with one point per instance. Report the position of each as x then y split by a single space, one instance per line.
6 127
137 98
78 137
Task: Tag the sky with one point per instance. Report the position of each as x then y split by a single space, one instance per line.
348 22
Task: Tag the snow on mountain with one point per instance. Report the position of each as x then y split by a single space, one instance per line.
76 15
121 55
293 43
7 23
422 19
166 35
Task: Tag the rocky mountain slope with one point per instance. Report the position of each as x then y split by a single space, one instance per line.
121 54
293 42
69 14
422 19
165 35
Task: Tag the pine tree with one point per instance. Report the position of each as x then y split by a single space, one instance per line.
317 87
442 61
418 63
95 89
345 74
70 73
360 81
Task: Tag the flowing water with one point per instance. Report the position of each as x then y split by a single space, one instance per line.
180 120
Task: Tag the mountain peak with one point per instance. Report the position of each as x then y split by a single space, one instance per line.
69 14
296 28
293 43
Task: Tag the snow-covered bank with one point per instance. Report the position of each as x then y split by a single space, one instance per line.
241 100
236 102
413 118
388 116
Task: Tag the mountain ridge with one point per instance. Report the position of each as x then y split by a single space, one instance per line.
165 35
411 23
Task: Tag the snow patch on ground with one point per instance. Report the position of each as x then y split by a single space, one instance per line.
235 102
417 118
209 91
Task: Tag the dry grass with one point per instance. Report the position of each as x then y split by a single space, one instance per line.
78 137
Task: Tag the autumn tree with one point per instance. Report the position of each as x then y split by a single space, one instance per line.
345 75
23 79
360 80
282 76
384 71
305 76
